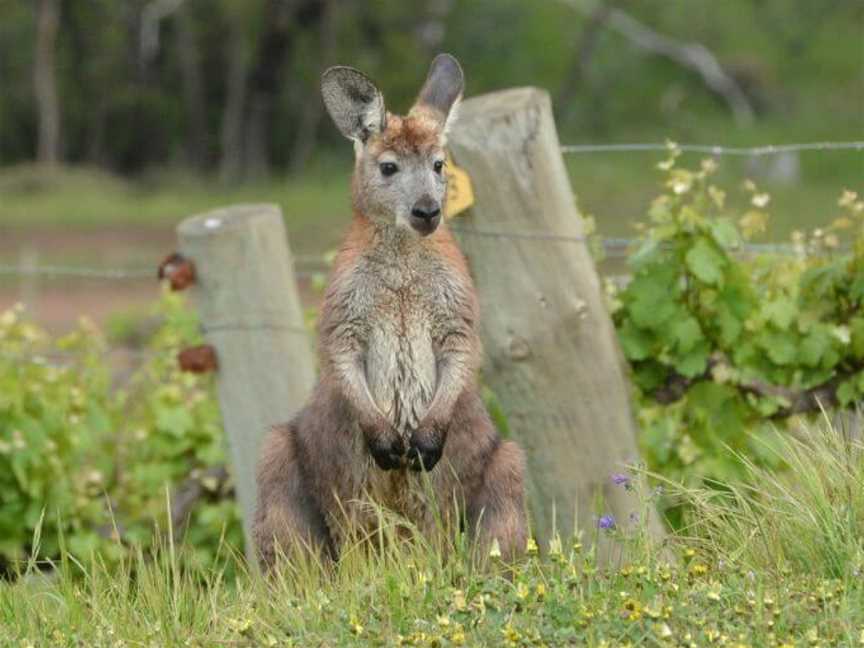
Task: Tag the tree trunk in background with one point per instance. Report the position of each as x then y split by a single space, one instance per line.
578 82
193 89
231 136
281 17
45 82
310 119
264 84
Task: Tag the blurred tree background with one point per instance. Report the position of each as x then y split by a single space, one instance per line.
230 88
118 118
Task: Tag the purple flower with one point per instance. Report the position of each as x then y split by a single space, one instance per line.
620 479
606 522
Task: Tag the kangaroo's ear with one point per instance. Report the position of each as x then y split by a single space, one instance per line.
354 103
442 90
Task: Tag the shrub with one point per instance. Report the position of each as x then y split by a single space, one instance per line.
726 348
90 464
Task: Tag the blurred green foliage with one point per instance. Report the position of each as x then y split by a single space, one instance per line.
129 102
725 344
88 464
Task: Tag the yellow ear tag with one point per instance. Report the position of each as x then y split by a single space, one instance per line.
460 193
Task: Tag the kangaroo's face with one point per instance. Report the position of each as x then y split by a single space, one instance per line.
399 170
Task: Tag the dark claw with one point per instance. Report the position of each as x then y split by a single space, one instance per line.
422 456
387 456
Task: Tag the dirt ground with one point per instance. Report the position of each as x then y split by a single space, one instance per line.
55 300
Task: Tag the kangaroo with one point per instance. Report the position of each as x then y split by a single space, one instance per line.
397 400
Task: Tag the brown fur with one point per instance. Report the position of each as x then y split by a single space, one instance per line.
399 351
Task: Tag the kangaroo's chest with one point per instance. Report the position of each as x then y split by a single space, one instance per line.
401 365
403 311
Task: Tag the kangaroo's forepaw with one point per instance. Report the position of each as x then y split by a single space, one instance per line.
389 455
425 449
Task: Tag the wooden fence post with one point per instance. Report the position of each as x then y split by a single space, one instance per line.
552 356
251 314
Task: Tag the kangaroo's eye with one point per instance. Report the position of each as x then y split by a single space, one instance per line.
388 168
438 166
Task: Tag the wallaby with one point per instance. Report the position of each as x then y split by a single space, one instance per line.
399 352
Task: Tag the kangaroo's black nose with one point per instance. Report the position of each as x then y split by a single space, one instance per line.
425 214
426 209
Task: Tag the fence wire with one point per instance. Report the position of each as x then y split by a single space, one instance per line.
715 149
75 272
313 267
612 247
84 272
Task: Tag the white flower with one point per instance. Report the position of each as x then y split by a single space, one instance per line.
760 199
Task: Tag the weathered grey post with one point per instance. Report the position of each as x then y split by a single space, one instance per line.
551 353
250 311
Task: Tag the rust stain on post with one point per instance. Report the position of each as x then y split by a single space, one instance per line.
198 359
178 270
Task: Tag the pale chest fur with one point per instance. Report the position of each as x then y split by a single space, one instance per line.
402 307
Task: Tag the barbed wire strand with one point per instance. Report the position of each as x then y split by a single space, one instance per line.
84 272
621 246
613 247
715 149
79 272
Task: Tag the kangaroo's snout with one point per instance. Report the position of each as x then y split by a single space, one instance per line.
426 215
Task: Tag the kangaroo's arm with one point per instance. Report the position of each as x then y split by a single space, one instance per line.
349 371
457 355
457 360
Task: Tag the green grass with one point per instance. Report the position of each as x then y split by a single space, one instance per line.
806 518
780 565
87 197
316 206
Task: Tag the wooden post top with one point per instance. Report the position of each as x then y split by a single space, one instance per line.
225 219
505 120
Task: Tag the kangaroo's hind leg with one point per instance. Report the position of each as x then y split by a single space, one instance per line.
493 474
287 519
496 510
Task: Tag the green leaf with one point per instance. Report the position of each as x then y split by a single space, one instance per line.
695 362
637 343
649 375
847 393
724 232
814 346
781 312
659 439
650 297
687 333
721 411
174 420
705 262
856 330
822 280
647 253
730 326
856 289
780 347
